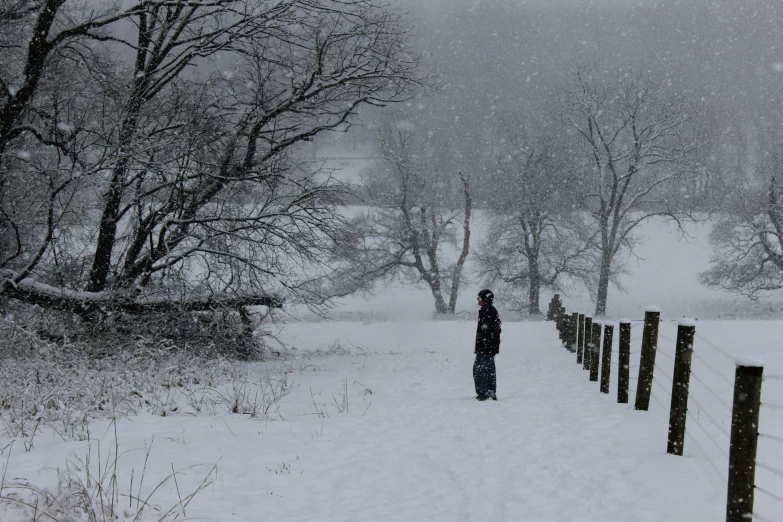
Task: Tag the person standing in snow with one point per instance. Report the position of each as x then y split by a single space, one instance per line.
487 347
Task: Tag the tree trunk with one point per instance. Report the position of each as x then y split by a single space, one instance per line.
534 291
107 231
455 281
534 296
440 303
533 249
603 283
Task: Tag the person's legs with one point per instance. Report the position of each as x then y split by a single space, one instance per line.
476 375
492 378
481 374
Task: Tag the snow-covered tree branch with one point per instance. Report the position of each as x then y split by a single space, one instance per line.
635 141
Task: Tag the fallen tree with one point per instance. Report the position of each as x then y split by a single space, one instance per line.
87 304
172 177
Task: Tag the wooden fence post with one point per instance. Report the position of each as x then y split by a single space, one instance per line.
680 384
580 338
624 361
652 316
559 323
606 360
588 342
574 331
595 354
744 436
554 307
563 326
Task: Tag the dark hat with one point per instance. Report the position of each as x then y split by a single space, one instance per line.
487 296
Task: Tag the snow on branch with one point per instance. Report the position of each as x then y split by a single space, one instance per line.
37 293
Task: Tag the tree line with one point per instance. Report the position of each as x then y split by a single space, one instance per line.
154 169
565 189
150 152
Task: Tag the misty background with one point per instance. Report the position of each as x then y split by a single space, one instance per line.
264 167
503 61
501 57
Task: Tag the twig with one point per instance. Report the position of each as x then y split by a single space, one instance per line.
229 429
174 474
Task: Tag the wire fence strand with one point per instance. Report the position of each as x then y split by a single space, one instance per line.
771 469
665 391
715 346
667 356
760 518
662 405
769 493
709 437
657 367
703 410
709 366
706 457
772 405
712 392
772 437
773 378
666 337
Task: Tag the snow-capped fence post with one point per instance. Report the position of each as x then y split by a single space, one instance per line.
595 352
574 331
624 362
652 317
606 359
588 342
680 384
744 436
580 339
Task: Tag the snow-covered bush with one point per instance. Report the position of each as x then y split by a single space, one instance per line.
63 386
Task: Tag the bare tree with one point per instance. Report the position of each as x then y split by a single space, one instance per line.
536 237
632 140
176 181
409 231
748 236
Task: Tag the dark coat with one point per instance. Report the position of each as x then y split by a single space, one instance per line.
488 331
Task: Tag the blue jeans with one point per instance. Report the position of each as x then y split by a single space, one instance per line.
484 375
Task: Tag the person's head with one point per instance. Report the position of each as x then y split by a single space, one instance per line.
485 297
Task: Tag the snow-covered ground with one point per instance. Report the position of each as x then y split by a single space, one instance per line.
381 424
391 431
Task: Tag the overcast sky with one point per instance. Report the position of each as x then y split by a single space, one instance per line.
509 54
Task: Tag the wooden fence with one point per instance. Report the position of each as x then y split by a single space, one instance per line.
581 334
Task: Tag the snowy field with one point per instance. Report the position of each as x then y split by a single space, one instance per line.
392 432
379 422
